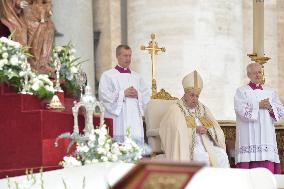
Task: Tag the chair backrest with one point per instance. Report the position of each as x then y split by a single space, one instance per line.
154 113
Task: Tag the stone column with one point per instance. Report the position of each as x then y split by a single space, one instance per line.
107 22
74 19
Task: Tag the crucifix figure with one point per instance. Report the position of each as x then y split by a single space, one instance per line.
153 50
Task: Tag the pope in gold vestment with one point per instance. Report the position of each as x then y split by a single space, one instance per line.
189 131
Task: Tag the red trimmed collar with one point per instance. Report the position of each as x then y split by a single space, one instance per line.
255 86
121 69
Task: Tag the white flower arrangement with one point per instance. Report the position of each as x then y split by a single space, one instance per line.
14 68
70 66
69 63
40 83
12 57
98 146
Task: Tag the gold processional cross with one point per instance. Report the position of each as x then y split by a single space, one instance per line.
153 50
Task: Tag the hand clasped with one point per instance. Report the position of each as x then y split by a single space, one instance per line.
265 104
201 130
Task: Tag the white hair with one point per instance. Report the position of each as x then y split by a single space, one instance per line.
250 66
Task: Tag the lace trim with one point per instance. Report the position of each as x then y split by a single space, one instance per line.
248 110
258 148
279 112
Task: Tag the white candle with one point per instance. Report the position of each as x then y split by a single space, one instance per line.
258 27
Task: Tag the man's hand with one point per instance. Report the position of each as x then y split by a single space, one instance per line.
131 92
201 130
265 104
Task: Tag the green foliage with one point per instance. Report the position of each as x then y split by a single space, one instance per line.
69 67
2 76
43 93
71 88
16 71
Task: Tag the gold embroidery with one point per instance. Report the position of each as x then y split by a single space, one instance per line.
206 122
190 121
190 117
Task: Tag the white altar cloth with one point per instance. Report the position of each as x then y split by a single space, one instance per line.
224 178
99 176
103 175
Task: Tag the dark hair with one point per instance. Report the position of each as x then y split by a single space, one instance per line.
119 47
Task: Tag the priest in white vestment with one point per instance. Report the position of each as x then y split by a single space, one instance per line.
189 132
257 107
124 96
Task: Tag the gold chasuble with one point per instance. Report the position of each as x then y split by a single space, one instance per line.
178 129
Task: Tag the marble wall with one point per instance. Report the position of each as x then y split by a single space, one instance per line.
107 23
212 37
74 19
273 41
206 36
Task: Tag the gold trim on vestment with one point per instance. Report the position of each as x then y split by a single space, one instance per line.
206 122
190 117
190 121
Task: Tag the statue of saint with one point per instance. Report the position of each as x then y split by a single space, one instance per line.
11 16
30 20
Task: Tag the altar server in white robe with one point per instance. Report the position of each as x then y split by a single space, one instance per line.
189 131
257 107
124 96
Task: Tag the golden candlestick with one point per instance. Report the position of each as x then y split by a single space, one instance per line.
258 36
153 50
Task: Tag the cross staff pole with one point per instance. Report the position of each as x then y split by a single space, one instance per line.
153 50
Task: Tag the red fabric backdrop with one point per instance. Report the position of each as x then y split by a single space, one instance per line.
4 31
28 132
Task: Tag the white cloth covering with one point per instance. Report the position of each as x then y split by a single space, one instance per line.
180 141
104 175
125 112
223 178
201 155
255 131
99 176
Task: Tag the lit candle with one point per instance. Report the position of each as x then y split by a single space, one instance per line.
258 27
